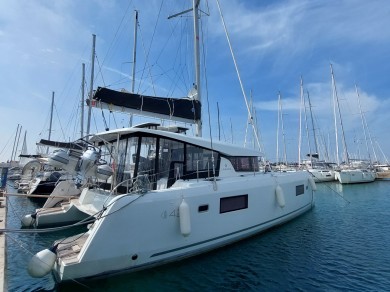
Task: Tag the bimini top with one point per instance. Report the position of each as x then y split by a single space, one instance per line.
223 148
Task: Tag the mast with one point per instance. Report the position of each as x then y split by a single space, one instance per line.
312 124
219 124
16 136
51 119
364 128
250 114
134 50
346 156
197 62
282 125
17 144
197 87
24 149
82 99
307 131
335 117
134 58
336 100
277 132
91 89
51 114
284 134
300 124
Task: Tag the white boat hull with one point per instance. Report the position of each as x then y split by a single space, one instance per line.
137 232
351 176
322 175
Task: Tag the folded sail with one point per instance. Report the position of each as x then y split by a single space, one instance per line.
181 109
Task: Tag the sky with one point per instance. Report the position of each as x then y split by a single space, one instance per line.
276 43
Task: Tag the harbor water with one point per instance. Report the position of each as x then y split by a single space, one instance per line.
342 244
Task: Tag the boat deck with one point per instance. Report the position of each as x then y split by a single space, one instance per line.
68 251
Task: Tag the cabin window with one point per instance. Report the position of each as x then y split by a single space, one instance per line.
170 163
124 162
299 190
199 161
203 208
243 163
229 204
163 160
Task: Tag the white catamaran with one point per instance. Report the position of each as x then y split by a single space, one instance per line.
175 196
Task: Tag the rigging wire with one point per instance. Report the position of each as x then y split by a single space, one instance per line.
9 140
208 109
59 121
238 75
148 52
115 37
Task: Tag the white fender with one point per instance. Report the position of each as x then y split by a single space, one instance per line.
41 263
27 221
312 183
185 218
280 196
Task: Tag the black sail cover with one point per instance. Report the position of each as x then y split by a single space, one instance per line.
184 108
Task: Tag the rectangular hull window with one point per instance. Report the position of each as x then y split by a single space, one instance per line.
300 190
235 203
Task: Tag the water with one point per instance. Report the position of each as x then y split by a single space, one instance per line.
341 244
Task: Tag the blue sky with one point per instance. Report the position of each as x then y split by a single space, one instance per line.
44 43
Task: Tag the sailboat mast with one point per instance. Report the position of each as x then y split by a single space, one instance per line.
134 58
16 136
249 118
335 117
277 132
219 124
312 124
307 131
300 124
346 156
134 50
91 89
363 125
282 125
51 114
197 62
82 99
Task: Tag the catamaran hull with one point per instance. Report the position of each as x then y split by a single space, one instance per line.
137 232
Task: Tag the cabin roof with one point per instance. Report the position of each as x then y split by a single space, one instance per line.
221 147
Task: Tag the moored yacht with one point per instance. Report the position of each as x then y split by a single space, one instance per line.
352 175
176 196
171 195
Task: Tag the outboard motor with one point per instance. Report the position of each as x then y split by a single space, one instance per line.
61 159
88 162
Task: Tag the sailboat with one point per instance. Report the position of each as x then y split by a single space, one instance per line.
174 196
319 169
347 173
